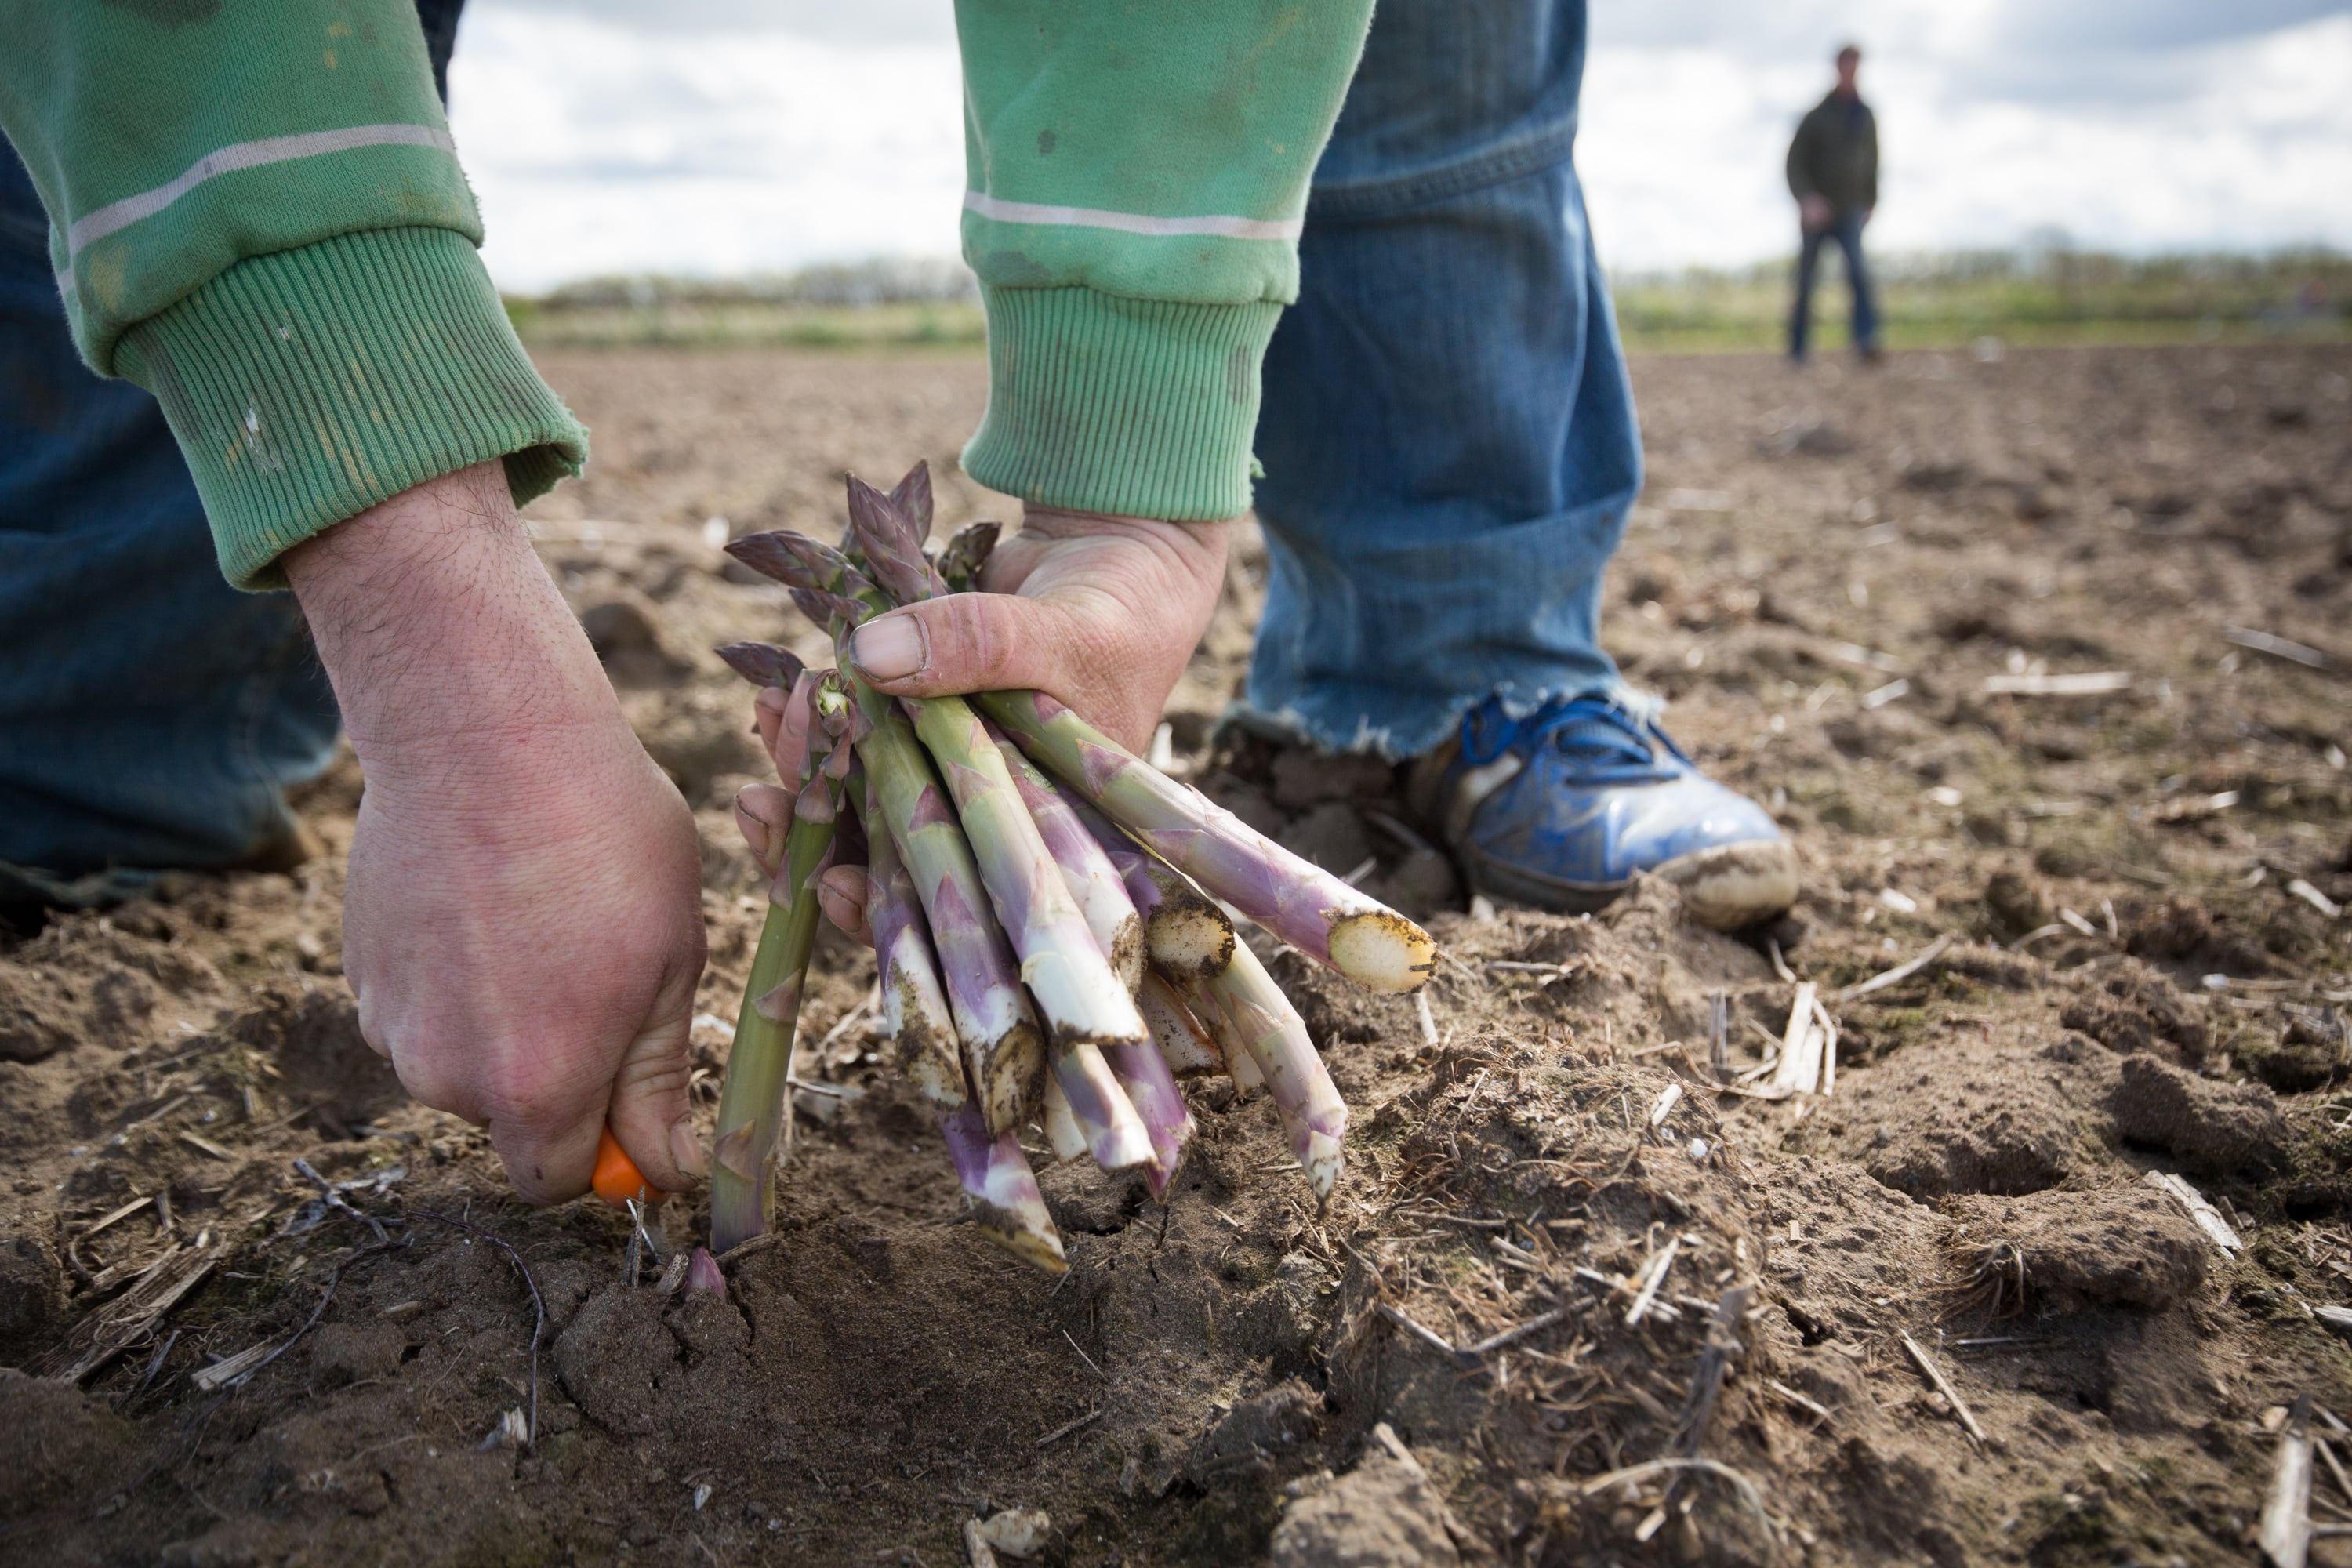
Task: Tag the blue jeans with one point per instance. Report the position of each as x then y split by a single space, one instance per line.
1448 435
151 716
1846 230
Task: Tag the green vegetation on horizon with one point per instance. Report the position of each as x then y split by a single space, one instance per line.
1950 300
1939 302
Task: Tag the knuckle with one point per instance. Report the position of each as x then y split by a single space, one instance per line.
649 1081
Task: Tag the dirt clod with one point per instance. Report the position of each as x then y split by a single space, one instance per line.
56 1444
2129 1247
2217 1128
2016 902
1382 1514
32 1291
2134 1007
1937 1131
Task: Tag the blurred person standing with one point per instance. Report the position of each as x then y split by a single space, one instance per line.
1834 174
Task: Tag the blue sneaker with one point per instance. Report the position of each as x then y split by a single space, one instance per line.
1560 809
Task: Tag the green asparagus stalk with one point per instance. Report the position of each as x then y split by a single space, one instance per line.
914 1001
1295 898
1086 869
751 1099
1270 1029
1003 1050
1003 1054
1082 1000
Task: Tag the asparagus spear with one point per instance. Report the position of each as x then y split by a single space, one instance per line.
1003 1050
1090 1011
798 561
1003 1054
1184 931
1301 903
890 539
1082 1000
912 496
751 1099
1184 1042
1304 1096
1239 1064
914 1004
1152 1089
958 561
995 1174
1086 868
763 664
965 553
1006 1205
702 1275
1062 1129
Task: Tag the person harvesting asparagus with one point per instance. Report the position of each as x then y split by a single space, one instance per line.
1352 251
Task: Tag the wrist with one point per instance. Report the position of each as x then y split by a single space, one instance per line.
1070 523
441 631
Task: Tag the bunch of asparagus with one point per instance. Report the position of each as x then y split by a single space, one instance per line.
1050 914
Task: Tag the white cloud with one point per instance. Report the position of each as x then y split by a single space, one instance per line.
596 149
727 136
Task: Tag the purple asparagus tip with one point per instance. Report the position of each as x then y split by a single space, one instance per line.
703 1276
825 608
761 663
965 553
889 540
912 497
798 562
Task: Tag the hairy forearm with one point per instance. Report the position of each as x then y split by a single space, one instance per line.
520 925
440 629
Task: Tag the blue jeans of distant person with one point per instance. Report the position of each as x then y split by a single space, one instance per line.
151 716
1448 435
1846 232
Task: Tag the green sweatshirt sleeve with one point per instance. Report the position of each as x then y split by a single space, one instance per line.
257 213
1135 185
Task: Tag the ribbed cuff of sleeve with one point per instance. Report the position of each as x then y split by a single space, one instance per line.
1143 407
309 384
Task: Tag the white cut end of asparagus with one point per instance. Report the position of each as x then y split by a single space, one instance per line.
1382 950
1062 1130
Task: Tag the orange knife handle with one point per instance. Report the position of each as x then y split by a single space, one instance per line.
617 1178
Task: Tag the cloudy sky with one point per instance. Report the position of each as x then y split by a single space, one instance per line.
727 136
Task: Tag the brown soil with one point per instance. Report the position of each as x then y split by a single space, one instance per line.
1205 1384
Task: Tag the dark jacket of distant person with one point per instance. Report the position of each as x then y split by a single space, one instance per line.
1835 154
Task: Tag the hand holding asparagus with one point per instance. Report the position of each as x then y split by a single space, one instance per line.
1039 897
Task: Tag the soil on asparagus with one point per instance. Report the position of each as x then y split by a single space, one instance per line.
2144 976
